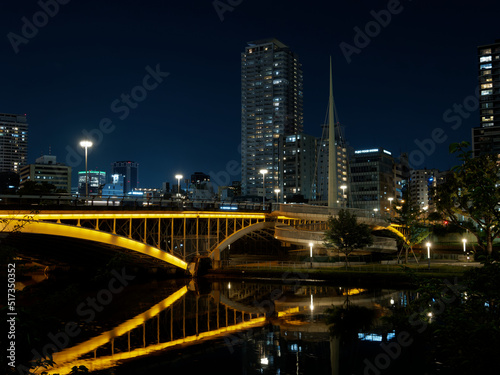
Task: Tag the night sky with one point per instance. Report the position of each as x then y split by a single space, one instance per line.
68 74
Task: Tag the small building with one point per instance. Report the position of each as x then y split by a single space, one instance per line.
96 181
47 169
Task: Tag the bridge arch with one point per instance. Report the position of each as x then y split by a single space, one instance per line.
70 231
215 254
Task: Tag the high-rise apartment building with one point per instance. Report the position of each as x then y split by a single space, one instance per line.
271 106
486 137
13 142
130 172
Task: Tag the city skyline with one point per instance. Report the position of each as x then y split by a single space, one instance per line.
162 88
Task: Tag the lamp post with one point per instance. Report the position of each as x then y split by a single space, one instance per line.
178 177
464 241
277 191
263 172
343 187
375 212
86 144
428 244
311 252
390 205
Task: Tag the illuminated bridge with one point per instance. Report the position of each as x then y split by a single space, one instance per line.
173 238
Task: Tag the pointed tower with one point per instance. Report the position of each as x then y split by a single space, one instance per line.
332 157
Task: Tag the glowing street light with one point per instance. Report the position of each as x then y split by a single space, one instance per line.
86 144
311 252
178 177
428 244
343 187
464 241
263 172
277 191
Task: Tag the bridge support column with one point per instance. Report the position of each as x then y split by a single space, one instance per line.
216 262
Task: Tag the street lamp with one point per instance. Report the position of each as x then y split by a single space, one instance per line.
428 244
311 252
464 241
277 191
375 212
343 187
86 144
263 172
178 177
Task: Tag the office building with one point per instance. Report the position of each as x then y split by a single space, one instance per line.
47 169
486 137
96 181
271 106
297 164
402 176
13 142
115 187
372 179
130 172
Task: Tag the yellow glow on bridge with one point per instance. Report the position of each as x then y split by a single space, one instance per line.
92 344
82 215
47 228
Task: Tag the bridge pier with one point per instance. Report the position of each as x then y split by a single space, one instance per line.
216 261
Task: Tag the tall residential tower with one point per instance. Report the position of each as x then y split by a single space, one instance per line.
486 137
13 142
271 106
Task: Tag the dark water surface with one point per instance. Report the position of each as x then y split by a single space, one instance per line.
229 327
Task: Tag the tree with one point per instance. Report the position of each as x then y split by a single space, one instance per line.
38 188
408 216
472 191
346 234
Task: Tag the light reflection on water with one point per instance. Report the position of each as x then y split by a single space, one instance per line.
247 327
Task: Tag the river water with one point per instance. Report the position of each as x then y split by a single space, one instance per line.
219 327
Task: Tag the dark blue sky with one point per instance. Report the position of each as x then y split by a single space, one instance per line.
69 74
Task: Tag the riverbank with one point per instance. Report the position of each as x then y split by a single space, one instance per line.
374 274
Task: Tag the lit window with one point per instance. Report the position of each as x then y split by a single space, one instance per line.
485 66
486 92
485 58
487 86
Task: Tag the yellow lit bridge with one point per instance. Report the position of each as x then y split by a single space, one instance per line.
173 238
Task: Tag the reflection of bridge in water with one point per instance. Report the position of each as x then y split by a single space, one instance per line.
186 318
173 238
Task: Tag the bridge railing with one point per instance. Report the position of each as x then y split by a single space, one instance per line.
305 209
68 201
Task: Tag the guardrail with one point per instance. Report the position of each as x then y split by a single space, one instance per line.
68 201
307 209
